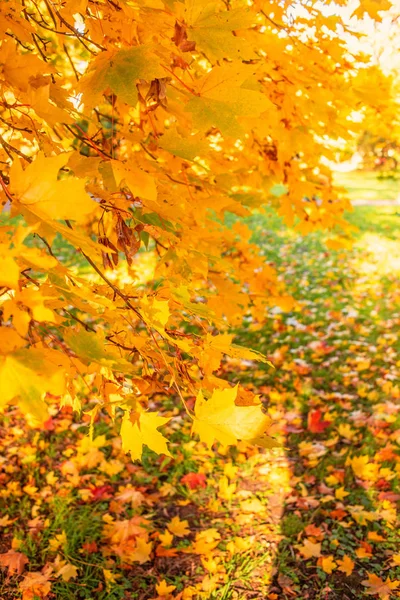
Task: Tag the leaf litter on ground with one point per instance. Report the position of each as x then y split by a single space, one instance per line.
316 518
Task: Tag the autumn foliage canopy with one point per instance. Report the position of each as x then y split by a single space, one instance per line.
131 130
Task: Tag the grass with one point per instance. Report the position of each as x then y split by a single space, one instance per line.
361 185
64 502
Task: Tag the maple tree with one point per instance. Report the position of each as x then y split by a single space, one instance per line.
129 130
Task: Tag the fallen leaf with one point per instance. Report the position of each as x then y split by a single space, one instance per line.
327 564
178 527
315 422
194 480
35 585
163 589
14 561
310 549
376 586
346 565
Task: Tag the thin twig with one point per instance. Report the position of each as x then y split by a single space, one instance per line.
9 148
77 75
85 325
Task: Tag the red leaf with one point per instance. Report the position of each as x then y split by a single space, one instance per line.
391 496
89 547
102 492
49 425
315 423
194 480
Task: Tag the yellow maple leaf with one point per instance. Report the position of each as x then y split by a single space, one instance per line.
341 493
178 527
310 549
163 589
66 570
395 558
219 418
215 346
9 269
230 470
373 8
39 189
226 490
327 564
30 490
155 312
5 521
363 552
142 551
222 97
363 468
109 577
346 431
166 538
363 365
374 536
143 432
59 541
28 374
138 181
346 565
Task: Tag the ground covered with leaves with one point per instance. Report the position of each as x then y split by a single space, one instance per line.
314 519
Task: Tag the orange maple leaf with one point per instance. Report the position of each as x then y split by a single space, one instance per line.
376 586
14 561
35 585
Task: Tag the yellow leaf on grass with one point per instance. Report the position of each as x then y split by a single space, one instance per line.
345 430
30 490
363 365
219 418
142 551
163 589
143 432
109 577
310 549
375 537
66 571
226 490
59 541
178 527
346 565
341 493
363 468
395 558
166 538
327 564
230 470
363 552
